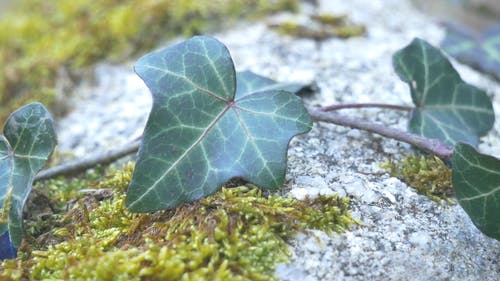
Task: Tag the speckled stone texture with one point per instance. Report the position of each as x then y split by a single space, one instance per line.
404 236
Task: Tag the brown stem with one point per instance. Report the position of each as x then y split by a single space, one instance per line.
365 105
431 145
80 165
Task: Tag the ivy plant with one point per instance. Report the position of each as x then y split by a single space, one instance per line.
27 142
476 181
447 108
210 124
478 50
203 130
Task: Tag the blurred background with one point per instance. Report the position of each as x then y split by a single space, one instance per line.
475 14
47 45
42 40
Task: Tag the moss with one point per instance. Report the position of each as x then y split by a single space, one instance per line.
37 37
235 234
323 26
427 174
330 19
49 201
349 31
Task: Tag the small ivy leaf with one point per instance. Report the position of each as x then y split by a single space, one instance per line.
27 142
447 108
201 132
481 51
476 182
249 82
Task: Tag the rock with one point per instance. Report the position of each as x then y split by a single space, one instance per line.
420 239
107 113
404 235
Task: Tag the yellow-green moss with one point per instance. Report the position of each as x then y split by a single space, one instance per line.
235 234
427 174
323 26
330 19
39 37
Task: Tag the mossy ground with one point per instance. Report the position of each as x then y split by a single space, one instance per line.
86 233
321 27
429 175
38 38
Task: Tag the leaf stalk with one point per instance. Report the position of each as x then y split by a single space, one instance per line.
433 146
80 165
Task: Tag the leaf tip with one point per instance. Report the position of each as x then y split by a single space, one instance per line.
7 250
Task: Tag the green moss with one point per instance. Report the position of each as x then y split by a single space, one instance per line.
427 174
235 234
323 26
349 31
48 202
331 19
38 37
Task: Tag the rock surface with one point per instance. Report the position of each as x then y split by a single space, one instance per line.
404 236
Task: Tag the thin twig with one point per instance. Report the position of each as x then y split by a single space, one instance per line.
431 145
80 165
365 105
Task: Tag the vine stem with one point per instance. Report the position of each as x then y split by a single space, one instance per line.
365 105
431 145
80 165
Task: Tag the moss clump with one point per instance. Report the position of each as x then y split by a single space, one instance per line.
38 38
49 201
330 19
427 174
235 234
323 26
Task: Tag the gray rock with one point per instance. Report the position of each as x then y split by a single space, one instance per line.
404 236
106 113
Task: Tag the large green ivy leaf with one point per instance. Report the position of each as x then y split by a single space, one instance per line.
27 142
447 108
481 51
476 181
201 132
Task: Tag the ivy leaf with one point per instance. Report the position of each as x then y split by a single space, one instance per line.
27 142
447 108
201 132
7 250
249 82
481 51
476 181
